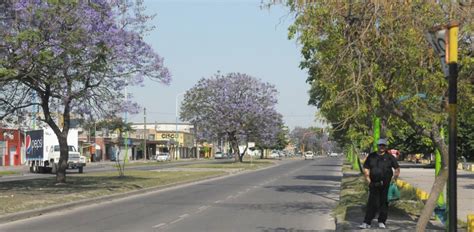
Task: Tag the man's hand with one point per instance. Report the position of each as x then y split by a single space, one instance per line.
396 174
394 179
367 179
367 175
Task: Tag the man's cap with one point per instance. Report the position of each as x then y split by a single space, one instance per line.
382 142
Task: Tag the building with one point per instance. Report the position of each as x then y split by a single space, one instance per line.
11 147
177 139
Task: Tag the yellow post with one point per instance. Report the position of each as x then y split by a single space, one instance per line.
470 223
451 60
452 49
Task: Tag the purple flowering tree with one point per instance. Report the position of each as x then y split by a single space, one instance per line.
235 105
75 58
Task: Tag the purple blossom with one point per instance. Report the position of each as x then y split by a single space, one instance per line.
93 50
237 105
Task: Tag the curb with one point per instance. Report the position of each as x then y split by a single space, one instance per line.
135 193
422 195
470 223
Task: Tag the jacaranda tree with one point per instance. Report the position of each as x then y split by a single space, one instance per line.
236 105
75 58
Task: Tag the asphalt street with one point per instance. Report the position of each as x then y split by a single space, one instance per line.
296 195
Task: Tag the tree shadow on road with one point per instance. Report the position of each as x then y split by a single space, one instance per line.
302 208
470 186
466 176
281 229
324 191
327 165
319 177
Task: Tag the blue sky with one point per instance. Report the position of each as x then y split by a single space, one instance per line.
199 37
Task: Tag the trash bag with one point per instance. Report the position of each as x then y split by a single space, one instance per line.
440 212
393 192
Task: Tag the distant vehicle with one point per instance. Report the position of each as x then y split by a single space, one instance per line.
308 155
333 154
219 155
163 157
275 154
42 151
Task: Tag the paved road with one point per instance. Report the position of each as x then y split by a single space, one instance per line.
296 195
424 178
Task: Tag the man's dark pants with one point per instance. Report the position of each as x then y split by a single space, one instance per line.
377 202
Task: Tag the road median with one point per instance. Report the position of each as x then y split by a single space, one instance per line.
27 198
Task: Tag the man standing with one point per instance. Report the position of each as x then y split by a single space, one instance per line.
378 173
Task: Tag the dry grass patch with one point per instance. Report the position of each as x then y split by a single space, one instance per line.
7 173
23 195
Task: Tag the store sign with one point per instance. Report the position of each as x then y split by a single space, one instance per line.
168 136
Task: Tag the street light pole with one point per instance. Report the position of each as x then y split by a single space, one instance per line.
144 134
176 132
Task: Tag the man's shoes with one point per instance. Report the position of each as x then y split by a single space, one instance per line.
382 225
364 226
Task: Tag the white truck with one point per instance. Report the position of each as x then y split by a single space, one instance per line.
42 151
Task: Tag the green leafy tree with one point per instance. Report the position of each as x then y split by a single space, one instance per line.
363 57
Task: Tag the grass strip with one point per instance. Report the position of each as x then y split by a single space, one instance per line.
17 196
7 173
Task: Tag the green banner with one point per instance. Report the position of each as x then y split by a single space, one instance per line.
376 130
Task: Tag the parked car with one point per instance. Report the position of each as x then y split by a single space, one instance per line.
333 154
309 155
275 154
219 155
163 157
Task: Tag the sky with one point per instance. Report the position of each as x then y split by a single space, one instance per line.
197 38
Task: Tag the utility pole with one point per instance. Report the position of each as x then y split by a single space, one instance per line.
444 40
144 134
452 58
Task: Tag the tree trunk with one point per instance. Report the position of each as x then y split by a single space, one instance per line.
439 143
234 143
63 158
243 153
439 183
261 153
430 204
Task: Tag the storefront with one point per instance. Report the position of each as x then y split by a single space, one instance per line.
10 147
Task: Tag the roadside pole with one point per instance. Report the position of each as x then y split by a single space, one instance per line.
144 134
444 40
452 58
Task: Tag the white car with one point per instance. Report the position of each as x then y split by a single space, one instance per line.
309 155
219 155
163 157
275 154
333 154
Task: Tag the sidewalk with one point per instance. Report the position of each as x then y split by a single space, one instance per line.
354 198
423 179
